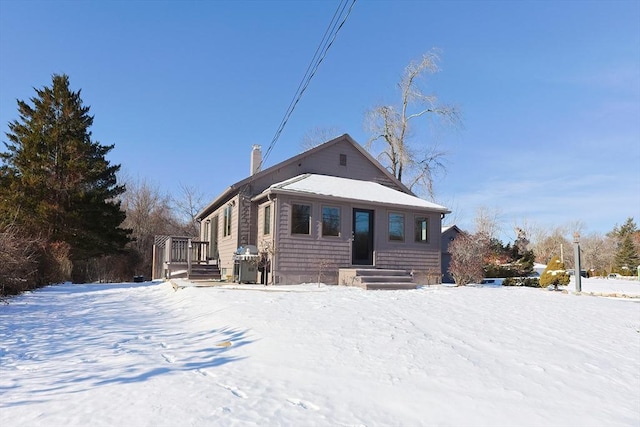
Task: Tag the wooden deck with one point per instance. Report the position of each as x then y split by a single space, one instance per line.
183 257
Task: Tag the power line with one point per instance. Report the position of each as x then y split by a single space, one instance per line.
321 52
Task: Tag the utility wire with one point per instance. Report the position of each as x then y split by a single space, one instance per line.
321 52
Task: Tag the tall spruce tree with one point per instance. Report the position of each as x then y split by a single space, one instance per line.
55 180
626 259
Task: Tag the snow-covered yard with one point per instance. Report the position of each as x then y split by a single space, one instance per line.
309 355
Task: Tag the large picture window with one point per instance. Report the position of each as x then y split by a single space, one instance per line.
227 221
267 220
300 219
330 221
396 227
421 230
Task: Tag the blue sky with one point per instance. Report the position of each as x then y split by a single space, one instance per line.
549 91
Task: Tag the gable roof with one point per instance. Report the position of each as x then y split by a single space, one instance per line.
454 227
349 189
235 188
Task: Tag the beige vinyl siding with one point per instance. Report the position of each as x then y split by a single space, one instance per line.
408 259
301 257
227 245
262 239
425 265
422 258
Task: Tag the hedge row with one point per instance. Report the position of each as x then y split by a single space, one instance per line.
531 282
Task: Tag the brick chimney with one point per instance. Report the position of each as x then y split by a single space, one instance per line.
256 159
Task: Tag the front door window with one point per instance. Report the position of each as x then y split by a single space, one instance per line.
362 250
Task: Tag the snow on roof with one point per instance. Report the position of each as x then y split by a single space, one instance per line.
345 188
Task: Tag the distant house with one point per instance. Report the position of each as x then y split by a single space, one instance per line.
538 269
449 234
326 213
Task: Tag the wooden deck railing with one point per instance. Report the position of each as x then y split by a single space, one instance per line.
177 252
184 249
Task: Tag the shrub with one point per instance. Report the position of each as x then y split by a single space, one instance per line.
530 282
467 254
18 260
554 274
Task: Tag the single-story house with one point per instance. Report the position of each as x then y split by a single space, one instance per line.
323 212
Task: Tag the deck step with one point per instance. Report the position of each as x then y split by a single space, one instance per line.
204 272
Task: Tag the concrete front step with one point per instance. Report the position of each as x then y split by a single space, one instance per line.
376 278
389 286
380 272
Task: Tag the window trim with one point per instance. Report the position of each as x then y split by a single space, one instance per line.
389 234
339 227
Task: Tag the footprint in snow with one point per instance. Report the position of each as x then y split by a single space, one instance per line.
168 358
223 410
234 390
205 373
303 404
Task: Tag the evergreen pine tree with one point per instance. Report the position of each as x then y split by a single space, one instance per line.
626 259
629 227
55 180
554 274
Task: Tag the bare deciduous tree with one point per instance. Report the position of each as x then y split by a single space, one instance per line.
267 251
323 265
413 164
597 253
487 222
18 260
318 135
190 202
468 252
149 214
551 243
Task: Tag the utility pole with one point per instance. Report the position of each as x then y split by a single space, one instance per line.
576 255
